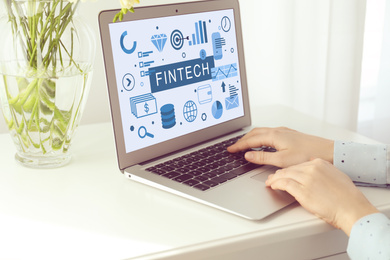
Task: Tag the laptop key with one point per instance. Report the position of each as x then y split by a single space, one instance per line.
244 169
201 178
219 171
195 173
201 187
220 163
191 182
204 169
219 179
167 168
171 175
207 161
197 158
178 165
158 171
211 183
226 168
183 178
213 166
235 164
182 170
228 159
191 167
160 165
223 178
228 176
199 164
210 175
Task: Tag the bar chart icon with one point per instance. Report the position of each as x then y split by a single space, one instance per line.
200 35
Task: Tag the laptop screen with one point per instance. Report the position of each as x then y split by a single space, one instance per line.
176 75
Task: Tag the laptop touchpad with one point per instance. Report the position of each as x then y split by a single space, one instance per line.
263 176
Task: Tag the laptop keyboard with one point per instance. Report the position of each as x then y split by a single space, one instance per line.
207 167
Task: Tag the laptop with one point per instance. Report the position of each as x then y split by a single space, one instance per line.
178 94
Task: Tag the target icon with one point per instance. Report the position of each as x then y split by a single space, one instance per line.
177 39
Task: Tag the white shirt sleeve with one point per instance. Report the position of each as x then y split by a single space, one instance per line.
364 163
370 238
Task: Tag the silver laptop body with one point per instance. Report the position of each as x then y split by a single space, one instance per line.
177 84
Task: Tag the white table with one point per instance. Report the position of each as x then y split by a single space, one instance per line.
89 210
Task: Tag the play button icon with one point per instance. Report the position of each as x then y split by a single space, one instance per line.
128 82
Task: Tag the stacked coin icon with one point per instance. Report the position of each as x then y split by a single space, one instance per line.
168 116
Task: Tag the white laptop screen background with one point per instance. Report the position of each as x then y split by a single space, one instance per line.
176 75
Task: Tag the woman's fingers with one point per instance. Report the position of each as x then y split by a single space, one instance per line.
292 147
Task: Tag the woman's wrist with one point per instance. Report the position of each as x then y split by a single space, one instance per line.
330 151
353 214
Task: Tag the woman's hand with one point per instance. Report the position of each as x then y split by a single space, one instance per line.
292 147
324 191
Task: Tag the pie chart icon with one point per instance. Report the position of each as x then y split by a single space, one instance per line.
217 110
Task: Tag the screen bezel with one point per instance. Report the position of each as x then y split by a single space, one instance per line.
126 160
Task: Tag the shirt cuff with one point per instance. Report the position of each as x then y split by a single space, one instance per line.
370 238
363 163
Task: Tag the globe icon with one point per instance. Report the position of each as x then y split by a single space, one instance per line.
190 111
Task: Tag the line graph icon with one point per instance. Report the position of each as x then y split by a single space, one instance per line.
224 72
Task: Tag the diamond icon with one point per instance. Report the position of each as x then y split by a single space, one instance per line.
159 41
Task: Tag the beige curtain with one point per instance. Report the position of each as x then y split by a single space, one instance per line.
375 99
306 55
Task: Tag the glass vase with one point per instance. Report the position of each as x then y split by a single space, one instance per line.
46 57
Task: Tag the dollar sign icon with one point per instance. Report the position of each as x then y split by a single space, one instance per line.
146 106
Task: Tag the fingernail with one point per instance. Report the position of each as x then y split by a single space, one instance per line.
249 156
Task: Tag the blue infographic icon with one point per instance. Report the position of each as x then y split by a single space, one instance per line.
232 102
233 90
200 35
168 117
142 133
144 105
190 111
224 72
203 54
223 86
217 110
218 43
177 39
128 82
226 24
159 41
205 94
127 51
204 117
144 54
